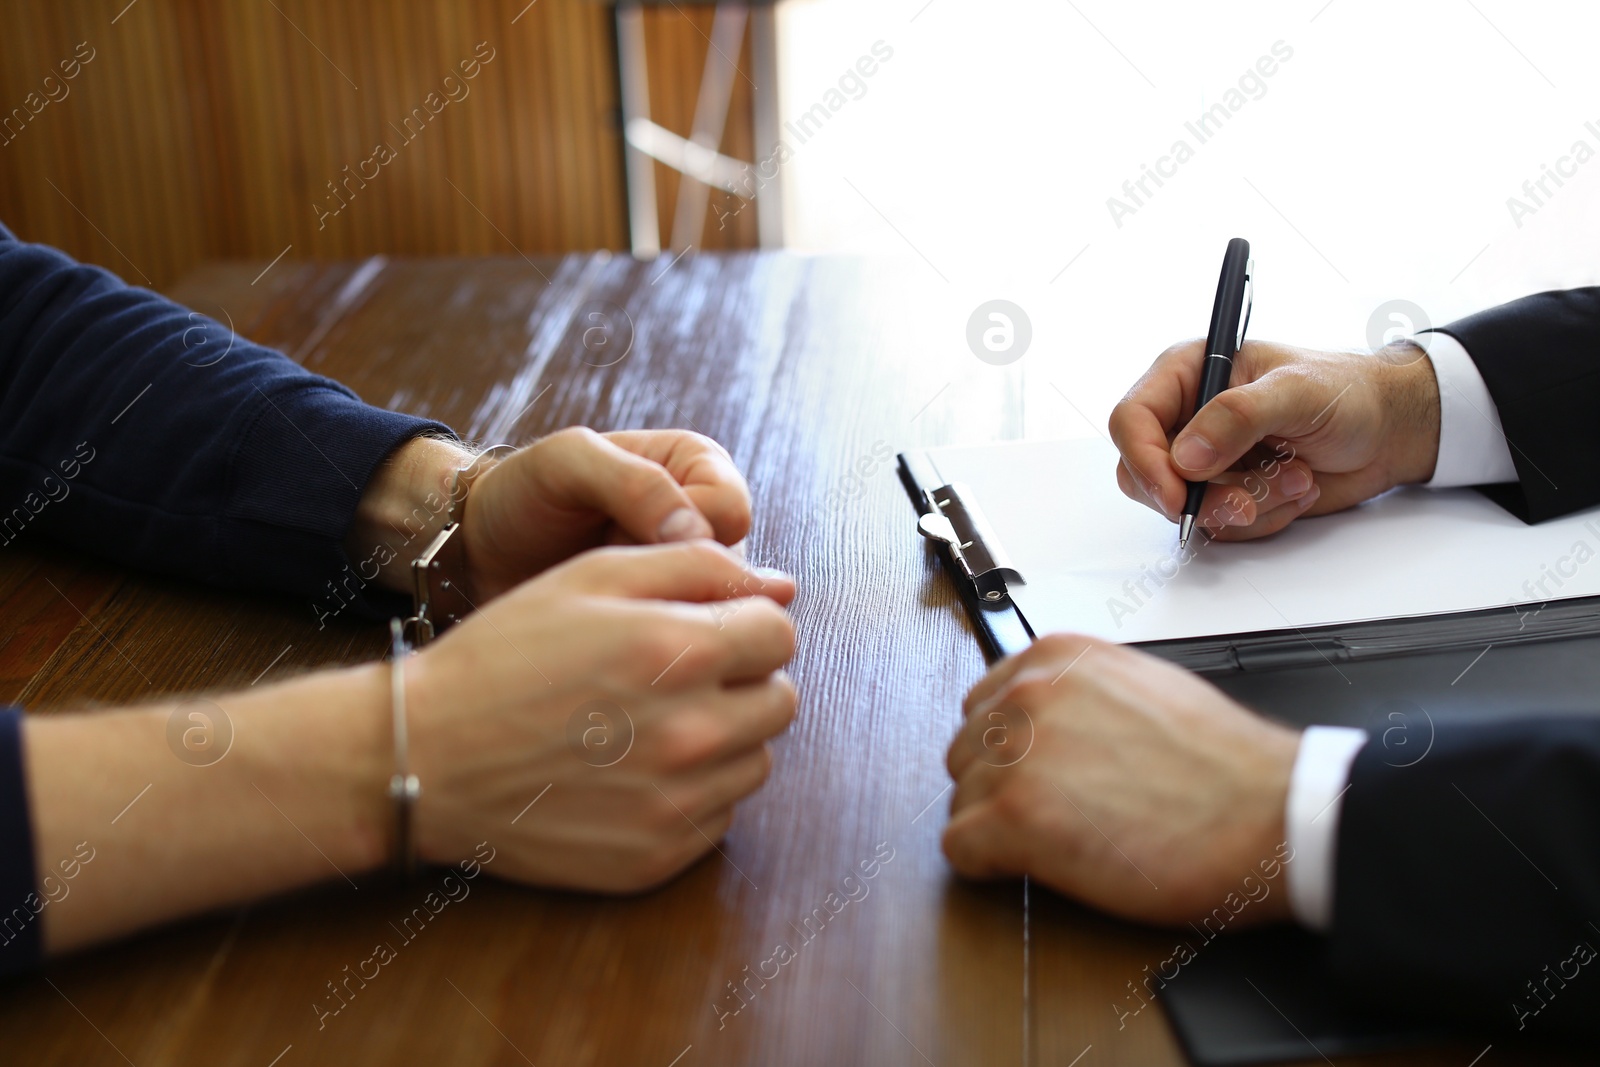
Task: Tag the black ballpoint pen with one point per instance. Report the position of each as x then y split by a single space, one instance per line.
1229 317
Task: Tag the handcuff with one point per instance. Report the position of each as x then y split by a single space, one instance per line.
441 593
440 598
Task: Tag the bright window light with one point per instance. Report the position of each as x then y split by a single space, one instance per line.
1088 161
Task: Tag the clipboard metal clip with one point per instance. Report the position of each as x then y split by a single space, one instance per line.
954 519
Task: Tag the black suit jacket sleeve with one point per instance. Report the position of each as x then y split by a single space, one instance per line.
1540 358
1468 883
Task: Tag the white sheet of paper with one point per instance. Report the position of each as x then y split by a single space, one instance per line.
1095 562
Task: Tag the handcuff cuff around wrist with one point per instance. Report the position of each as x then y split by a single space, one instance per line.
441 596
441 593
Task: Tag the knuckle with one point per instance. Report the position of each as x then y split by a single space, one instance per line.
706 555
957 847
1179 350
573 437
686 741
1121 416
1016 802
663 647
1239 405
1053 645
754 770
788 698
1066 656
1031 693
663 818
781 625
765 626
639 480
702 442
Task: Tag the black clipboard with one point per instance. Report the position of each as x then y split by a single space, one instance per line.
982 572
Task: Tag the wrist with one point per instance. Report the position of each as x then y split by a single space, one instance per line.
405 505
1274 774
340 783
1410 392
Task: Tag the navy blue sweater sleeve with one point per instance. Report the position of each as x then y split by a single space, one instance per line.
136 430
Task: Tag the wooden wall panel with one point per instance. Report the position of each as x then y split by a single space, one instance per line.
204 130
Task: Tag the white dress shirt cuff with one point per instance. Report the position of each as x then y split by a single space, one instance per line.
1472 446
1316 793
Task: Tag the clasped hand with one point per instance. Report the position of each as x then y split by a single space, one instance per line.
611 699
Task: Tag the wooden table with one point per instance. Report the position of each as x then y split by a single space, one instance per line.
813 372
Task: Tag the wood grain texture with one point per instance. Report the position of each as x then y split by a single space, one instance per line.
202 131
812 372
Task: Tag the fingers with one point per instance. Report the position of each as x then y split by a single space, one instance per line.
1063 650
752 638
1270 521
730 723
666 860
704 469
996 735
714 790
1146 492
999 732
697 571
998 676
671 647
638 494
1145 471
980 845
1222 432
1141 423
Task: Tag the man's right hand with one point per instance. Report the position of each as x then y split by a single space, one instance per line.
639 686
1298 432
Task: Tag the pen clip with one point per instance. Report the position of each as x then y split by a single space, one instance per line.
1249 300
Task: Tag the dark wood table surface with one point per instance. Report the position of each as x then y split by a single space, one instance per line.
813 372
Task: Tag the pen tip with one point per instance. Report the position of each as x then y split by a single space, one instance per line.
1185 529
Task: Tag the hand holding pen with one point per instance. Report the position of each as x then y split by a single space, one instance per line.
1297 432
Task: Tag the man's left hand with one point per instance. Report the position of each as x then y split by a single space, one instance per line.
578 489
1122 781
571 491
